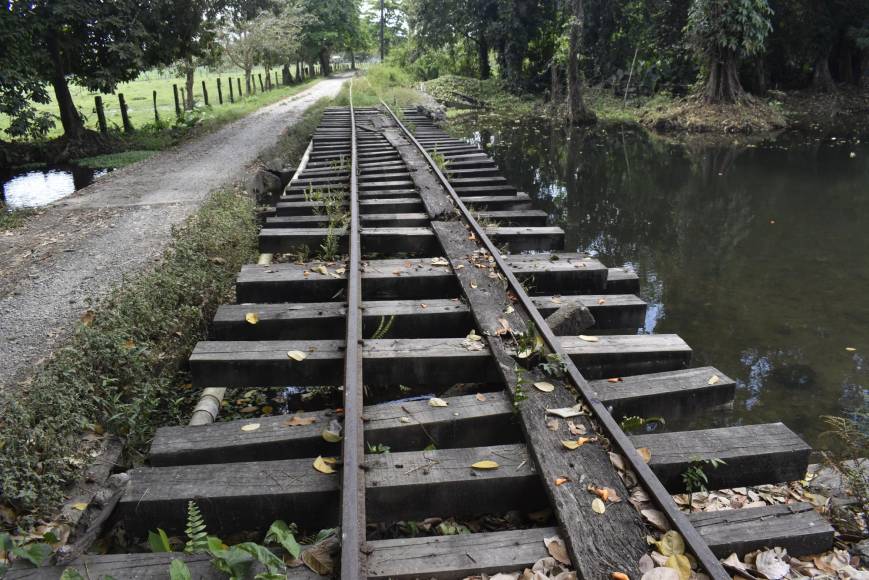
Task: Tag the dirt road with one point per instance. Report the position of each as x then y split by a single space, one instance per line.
82 246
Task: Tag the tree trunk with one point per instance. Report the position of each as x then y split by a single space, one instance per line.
324 62
555 85
298 72
247 73
73 126
189 71
352 60
722 85
286 77
483 56
579 114
822 80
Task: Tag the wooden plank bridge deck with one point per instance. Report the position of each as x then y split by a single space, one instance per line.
415 252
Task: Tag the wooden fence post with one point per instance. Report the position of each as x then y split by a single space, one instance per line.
231 91
177 102
276 79
205 94
156 113
219 92
184 99
125 116
239 88
101 114
260 76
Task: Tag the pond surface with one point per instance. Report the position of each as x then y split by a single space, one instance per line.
27 188
758 255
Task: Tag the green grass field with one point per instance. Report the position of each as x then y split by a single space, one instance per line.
138 95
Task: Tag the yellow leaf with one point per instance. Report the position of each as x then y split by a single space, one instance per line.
681 564
267 409
331 436
714 379
321 466
598 506
619 576
485 464
587 338
544 386
561 480
340 271
251 317
250 427
297 355
570 444
435 402
80 506
480 397
298 420
850 349
671 544
322 270
645 453
473 284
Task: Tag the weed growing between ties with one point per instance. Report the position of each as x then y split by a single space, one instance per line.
121 370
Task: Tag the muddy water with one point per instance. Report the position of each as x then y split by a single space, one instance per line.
27 188
758 256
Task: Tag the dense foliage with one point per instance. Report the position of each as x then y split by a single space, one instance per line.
718 46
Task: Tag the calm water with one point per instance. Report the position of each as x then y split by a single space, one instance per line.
37 187
758 256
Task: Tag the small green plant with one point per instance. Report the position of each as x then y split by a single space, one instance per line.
197 538
440 161
529 344
630 424
554 366
36 552
848 457
384 327
329 247
378 448
695 478
518 391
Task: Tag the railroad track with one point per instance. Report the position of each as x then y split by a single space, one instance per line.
405 205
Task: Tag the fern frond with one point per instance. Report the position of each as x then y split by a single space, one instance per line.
197 536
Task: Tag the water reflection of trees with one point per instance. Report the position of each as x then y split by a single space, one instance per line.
749 295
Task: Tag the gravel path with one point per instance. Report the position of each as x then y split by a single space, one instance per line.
82 246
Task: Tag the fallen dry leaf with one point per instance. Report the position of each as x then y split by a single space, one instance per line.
588 338
436 402
561 480
714 379
570 444
556 548
772 564
439 262
250 427
575 429
567 412
322 270
485 464
614 380
480 397
662 573
619 576
251 317
298 421
297 355
598 506
80 506
850 349
473 284
323 467
681 564
656 518
645 453
545 387
552 424
88 317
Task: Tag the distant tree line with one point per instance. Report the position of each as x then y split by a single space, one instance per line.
720 47
45 45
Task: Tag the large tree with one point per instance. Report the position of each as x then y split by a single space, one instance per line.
723 32
437 23
93 44
332 25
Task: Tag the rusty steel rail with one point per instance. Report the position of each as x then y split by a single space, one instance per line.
647 478
353 476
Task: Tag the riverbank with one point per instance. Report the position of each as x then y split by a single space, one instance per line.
844 112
